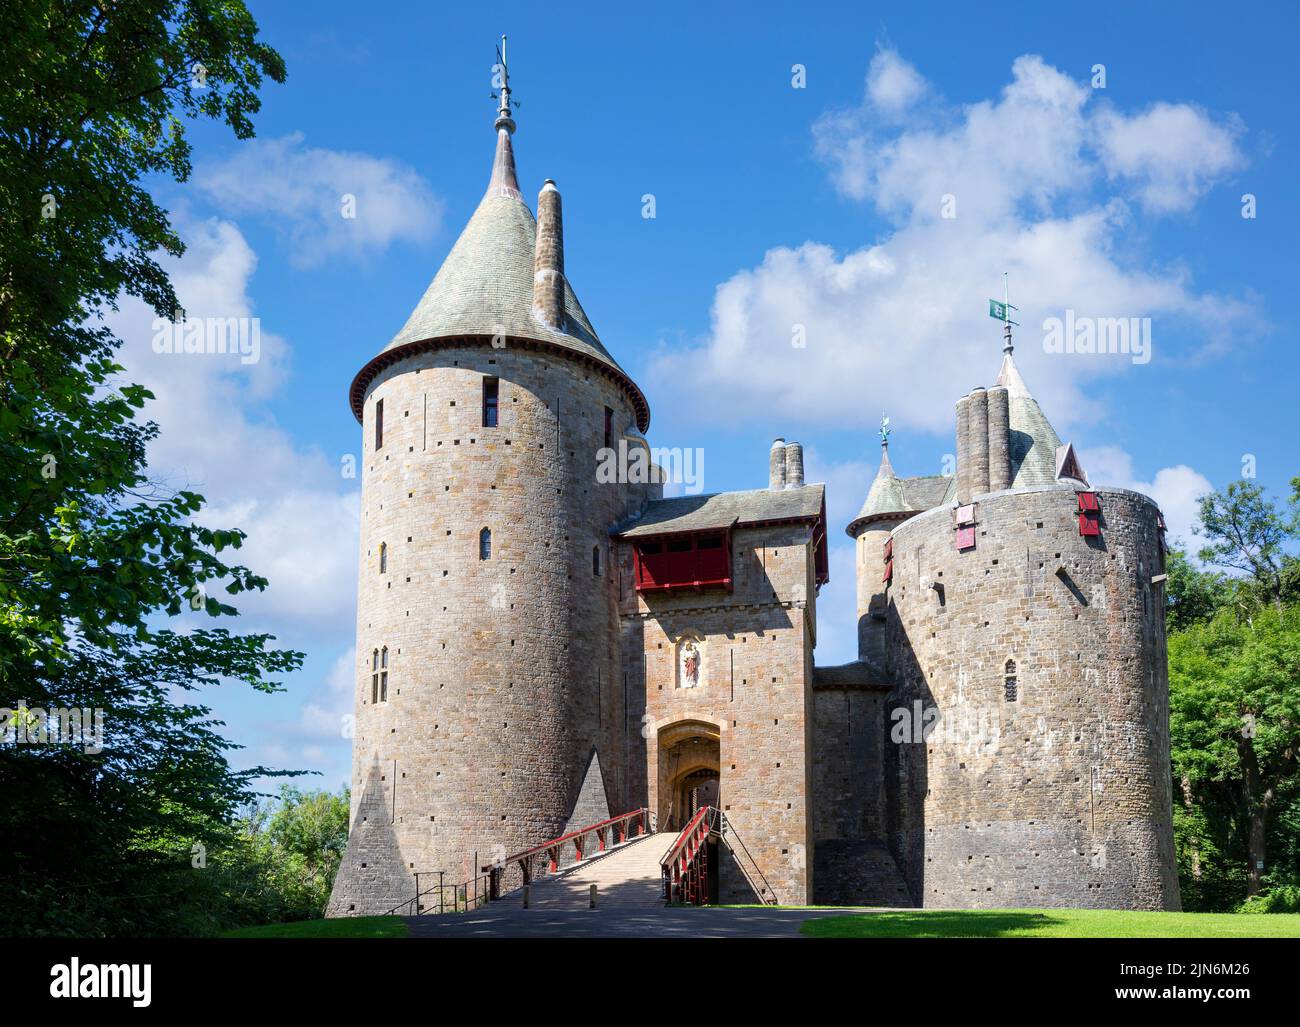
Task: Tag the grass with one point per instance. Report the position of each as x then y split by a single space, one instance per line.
341 927
1052 923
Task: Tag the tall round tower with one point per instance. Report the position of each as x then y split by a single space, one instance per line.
489 696
1031 620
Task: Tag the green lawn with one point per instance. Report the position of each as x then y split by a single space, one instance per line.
342 927
1052 923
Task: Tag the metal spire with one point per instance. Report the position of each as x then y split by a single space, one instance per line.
504 120
1002 311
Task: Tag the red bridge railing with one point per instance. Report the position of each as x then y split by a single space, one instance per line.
613 831
686 864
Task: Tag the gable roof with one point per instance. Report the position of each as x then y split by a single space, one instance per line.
725 510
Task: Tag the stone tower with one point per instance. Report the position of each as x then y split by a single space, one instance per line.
488 688
1026 608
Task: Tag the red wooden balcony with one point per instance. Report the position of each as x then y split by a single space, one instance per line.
694 561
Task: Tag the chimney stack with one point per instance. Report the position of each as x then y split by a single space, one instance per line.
776 465
978 429
999 439
963 450
794 465
548 261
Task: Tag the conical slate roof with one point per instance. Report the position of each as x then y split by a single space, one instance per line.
485 288
1033 440
891 494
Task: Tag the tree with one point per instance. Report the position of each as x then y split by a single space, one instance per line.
1247 533
1193 596
1234 712
95 559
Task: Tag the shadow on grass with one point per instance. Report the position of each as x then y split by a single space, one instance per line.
342 927
934 924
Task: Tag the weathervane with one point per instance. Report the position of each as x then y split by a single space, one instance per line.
1002 311
884 430
504 120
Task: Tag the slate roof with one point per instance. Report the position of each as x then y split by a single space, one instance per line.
857 674
892 494
1033 440
485 286
1033 459
724 509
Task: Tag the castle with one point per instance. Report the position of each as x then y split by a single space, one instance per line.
539 649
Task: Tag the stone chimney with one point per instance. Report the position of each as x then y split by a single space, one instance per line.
999 439
794 465
978 427
963 449
548 261
776 465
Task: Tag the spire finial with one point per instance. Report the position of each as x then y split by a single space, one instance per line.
501 79
884 432
1002 311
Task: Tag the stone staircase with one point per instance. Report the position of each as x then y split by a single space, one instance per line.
626 877
857 872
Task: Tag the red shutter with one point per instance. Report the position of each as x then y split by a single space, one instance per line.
889 549
1088 502
966 514
889 571
966 537
1088 524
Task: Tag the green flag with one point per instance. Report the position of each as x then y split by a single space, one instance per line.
998 310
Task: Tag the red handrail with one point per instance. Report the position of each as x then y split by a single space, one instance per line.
685 865
622 825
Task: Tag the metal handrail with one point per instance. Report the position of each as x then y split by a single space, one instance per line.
729 828
457 890
688 834
577 835
622 825
685 864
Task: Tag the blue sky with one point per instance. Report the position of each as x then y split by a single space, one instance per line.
776 206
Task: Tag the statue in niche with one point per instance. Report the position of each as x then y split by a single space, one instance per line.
690 676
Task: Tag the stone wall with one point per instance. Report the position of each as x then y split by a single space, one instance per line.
753 696
504 673
1061 795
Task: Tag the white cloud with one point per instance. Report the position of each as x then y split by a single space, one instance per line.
1175 489
1172 152
301 190
893 85
326 709
218 439
901 325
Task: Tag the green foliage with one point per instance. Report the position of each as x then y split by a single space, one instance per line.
94 557
1049 923
1284 898
1247 532
342 927
1193 595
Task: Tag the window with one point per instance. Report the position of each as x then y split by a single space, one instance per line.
595 560
491 395
609 427
383 674
383 557
379 424
1009 683
485 544
374 676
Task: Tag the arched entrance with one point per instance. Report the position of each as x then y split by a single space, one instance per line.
689 771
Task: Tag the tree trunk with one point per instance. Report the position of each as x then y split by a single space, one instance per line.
1257 799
